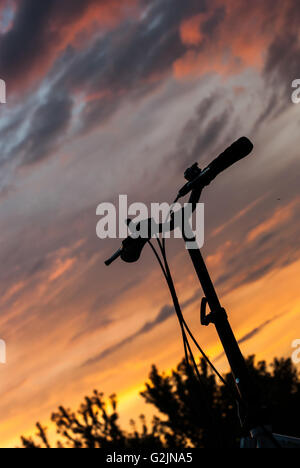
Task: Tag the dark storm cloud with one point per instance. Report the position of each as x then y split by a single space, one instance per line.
49 122
271 107
121 68
283 58
37 27
27 38
130 61
283 55
175 10
203 116
34 129
131 55
97 112
210 25
210 135
203 131
125 63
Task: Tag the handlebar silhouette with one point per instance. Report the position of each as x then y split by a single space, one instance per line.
131 248
237 151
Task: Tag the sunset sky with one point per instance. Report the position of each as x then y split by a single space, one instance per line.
109 97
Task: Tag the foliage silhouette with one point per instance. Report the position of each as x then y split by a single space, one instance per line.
189 415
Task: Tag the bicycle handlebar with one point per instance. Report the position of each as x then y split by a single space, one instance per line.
237 151
114 257
131 248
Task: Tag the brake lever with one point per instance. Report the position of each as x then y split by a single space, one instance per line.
132 247
130 251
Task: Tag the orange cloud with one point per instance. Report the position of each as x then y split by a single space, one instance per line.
61 267
216 259
232 46
281 216
195 63
103 14
190 31
15 288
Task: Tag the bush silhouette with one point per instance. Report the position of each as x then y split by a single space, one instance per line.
190 415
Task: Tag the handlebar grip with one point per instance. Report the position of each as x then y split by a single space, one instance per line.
114 257
237 151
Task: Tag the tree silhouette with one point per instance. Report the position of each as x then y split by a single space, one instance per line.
94 425
190 415
207 416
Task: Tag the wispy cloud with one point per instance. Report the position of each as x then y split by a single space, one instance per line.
164 314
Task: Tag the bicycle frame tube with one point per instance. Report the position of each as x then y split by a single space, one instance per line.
232 350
